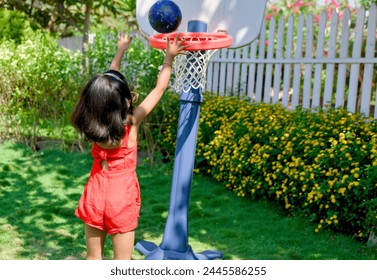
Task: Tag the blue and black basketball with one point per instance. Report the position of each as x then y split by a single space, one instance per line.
165 16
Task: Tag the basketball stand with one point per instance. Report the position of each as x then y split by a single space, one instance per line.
190 79
174 245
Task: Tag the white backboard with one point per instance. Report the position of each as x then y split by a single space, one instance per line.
242 19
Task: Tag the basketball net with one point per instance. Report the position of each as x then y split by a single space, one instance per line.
190 70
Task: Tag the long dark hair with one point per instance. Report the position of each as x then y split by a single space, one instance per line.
103 108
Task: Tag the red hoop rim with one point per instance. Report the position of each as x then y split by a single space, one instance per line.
198 41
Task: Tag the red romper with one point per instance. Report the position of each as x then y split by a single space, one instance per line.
111 199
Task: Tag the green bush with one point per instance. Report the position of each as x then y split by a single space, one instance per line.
140 63
321 164
39 82
367 3
14 26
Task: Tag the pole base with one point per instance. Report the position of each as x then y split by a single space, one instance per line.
153 252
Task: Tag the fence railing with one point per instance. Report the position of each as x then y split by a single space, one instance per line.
329 61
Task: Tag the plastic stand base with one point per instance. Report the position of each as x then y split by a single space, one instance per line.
152 252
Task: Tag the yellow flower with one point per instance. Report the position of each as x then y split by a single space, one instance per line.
342 191
344 178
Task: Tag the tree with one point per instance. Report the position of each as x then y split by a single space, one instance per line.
68 17
101 6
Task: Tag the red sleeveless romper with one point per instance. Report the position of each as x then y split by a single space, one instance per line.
111 199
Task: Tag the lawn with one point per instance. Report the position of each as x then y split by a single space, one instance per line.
39 192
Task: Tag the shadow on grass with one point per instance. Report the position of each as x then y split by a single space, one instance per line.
39 193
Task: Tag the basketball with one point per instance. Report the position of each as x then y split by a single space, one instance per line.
165 16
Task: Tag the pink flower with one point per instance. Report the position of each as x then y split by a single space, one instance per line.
335 3
330 12
274 8
298 4
269 16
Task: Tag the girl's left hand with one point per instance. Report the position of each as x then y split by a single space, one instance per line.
124 41
176 47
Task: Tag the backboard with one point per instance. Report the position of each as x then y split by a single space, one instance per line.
242 19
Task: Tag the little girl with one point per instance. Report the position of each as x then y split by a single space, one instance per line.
110 203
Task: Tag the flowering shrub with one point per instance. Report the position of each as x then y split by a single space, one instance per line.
319 164
287 8
367 3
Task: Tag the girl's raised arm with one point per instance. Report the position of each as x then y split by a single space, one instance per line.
148 104
123 45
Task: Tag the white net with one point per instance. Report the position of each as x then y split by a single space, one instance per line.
190 70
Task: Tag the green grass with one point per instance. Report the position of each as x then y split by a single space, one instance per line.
39 193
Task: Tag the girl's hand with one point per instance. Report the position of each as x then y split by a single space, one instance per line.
150 102
175 48
124 41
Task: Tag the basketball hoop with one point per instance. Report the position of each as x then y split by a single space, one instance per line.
198 41
190 70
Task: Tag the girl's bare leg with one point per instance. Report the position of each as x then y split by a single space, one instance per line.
123 244
95 241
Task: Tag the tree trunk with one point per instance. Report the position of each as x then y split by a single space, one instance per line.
85 40
51 22
31 8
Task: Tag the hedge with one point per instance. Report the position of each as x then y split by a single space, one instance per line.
322 164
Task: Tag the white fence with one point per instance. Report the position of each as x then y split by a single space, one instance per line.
329 61
305 61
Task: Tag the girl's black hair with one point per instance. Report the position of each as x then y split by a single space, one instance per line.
103 108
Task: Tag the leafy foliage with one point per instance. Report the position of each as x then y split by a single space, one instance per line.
367 3
66 16
38 83
14 26
321 165
287 8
